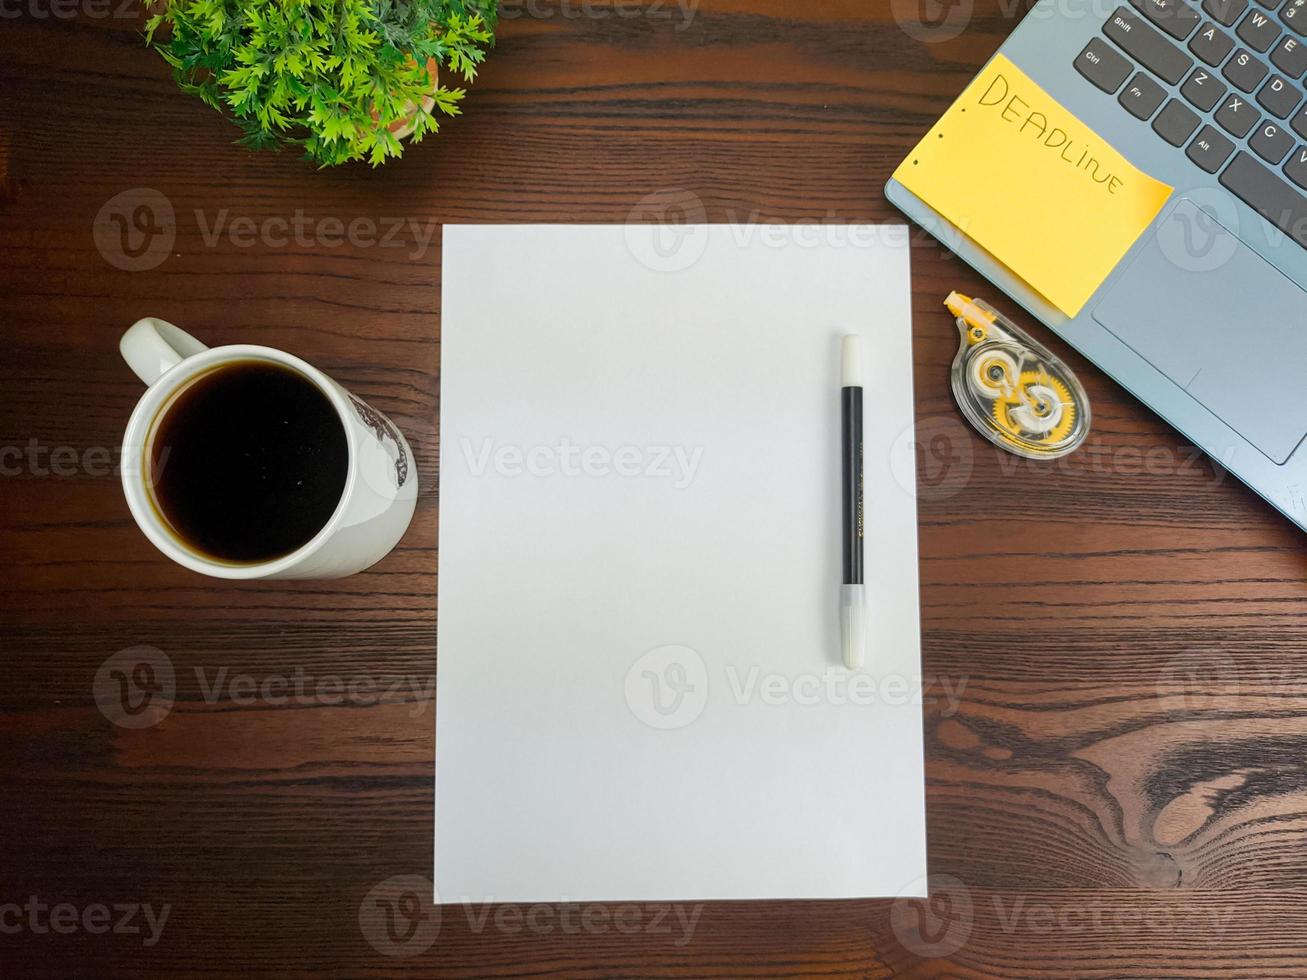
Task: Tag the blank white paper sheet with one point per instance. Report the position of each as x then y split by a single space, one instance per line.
640 695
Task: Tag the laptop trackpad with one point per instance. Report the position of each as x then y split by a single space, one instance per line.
1222 323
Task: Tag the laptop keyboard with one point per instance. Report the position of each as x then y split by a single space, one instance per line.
1222 80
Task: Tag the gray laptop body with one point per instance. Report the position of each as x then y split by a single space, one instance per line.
1205 319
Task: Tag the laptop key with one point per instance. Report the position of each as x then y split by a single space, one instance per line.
1294 14
1103 65
1148 47
1225 12
1290 56
1299 122
1142 96
1296 168
1176 123
1268 195
1244 70
1209 150
1271 142
1237 116
1211 45
1258 31
1203 90
1175 17
1278 97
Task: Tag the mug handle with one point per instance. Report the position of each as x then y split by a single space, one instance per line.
152 346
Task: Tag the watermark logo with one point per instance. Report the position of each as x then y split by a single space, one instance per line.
932 21
135 230
937 926
935 457
1194 678
136 687
666 230
399 917
1200 234
667 687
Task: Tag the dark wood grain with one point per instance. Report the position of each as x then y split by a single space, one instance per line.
1119 791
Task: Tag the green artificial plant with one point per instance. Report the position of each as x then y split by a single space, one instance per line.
343 79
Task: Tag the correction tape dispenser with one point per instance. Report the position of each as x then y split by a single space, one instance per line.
1011 389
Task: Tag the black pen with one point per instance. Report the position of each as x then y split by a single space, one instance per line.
853 600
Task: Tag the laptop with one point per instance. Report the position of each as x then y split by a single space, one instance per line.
1207 96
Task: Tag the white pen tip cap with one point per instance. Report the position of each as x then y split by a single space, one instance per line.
851 361
853 624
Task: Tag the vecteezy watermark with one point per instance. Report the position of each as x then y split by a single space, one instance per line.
94 919
932 21
838 686
667 231
137 688
668 688
401 917
1020 915
1200 235
1125 461
1198 677
37 458
398 916
936 926
136 230
682 11
675 921
937 21
303 231
942 924
69 9
933 459
679 464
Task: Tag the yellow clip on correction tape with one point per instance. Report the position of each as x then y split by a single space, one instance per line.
1013 390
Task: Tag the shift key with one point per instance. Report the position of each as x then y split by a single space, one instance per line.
1156 53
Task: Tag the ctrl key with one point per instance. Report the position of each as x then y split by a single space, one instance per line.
1103 65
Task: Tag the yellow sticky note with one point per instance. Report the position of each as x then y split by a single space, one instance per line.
1034 186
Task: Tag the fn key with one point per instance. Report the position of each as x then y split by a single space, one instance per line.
1103 65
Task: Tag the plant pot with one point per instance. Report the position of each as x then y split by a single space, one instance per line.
401 128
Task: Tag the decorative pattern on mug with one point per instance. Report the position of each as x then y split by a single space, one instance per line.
384 429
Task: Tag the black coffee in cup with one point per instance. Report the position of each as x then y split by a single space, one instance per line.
247 462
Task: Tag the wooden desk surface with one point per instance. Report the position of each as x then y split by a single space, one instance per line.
1121 790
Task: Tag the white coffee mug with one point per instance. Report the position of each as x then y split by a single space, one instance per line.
381 486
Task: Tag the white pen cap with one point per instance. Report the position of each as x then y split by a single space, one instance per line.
851 361
853 624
